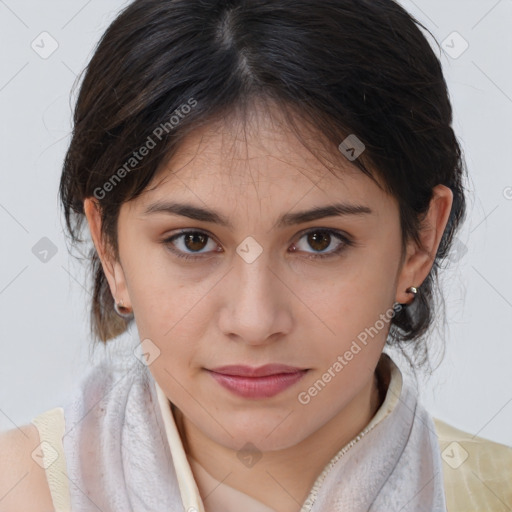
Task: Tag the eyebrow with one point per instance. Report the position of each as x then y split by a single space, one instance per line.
288 219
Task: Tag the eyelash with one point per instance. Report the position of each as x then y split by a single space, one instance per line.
346 242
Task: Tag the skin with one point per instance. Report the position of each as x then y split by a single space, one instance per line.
283 307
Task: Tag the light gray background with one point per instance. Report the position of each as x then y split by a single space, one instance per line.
44 331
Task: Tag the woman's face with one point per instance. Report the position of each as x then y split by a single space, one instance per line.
260 282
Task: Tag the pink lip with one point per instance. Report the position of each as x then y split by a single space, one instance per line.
262 382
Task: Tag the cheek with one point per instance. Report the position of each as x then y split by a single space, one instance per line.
353 311
355 295
356 320
168 310
159 296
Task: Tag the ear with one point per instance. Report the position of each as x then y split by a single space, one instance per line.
419 260
111 267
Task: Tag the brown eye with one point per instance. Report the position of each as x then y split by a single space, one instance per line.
319 240
195 241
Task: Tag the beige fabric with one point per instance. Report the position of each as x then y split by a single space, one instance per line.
188 488
50 425
477 472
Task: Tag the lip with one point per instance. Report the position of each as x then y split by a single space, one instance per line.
240 370
257 382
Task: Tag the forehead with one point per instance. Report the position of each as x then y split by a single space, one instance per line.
258 158
261 150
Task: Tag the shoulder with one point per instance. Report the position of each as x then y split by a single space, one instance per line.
477 471
23 483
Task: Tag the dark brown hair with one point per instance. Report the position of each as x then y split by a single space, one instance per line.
341 67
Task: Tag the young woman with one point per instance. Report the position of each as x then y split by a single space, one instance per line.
270 188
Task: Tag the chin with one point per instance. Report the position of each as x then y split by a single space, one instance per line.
270 435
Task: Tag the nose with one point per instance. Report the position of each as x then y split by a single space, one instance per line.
256 305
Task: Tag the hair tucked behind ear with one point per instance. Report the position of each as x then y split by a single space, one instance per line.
342 67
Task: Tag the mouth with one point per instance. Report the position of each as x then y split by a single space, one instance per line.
257 382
